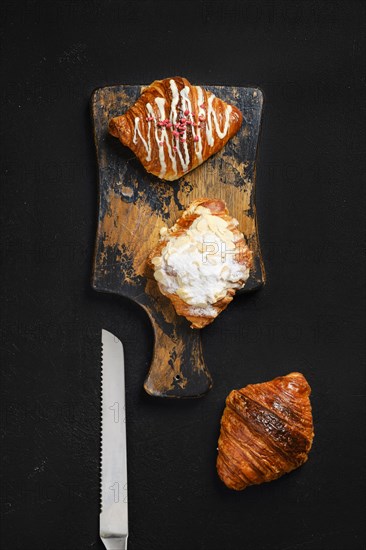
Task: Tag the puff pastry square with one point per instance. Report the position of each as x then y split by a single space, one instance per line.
201 261
174 127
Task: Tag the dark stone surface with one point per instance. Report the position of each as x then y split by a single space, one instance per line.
308 59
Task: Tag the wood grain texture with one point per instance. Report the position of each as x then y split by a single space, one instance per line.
133 206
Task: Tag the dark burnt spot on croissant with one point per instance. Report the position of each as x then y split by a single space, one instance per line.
267 423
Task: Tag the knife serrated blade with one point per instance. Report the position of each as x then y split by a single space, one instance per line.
113 524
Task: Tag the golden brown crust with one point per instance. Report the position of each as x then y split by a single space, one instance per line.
243 256
266 431
149 125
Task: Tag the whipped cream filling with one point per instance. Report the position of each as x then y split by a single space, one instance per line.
200 264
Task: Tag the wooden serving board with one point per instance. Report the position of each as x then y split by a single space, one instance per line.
133 206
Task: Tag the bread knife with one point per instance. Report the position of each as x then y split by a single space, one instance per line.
113 520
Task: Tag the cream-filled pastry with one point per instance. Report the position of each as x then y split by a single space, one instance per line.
201 261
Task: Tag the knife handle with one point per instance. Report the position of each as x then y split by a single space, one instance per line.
178 368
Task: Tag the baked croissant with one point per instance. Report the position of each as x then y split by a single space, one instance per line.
173 127
266 431
201 261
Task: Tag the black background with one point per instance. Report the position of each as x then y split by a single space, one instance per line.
308 59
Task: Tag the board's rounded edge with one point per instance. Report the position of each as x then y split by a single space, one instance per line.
174 395
262 95
255 213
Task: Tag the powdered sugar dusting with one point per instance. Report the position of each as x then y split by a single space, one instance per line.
200 265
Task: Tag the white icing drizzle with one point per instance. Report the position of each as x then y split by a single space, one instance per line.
186 104
201 112
160 149
175 99
146 145
160 102
186 101
212 115
167 137
173 119
151 114
185 166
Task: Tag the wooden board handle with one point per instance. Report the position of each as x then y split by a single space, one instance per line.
178 368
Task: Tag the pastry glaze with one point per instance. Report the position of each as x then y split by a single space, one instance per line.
173 127
266 431
202 314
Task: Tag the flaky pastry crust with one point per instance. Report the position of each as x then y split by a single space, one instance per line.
174 127
266 431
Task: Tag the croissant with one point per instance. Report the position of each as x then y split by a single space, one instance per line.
266 431
201 261
173 127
